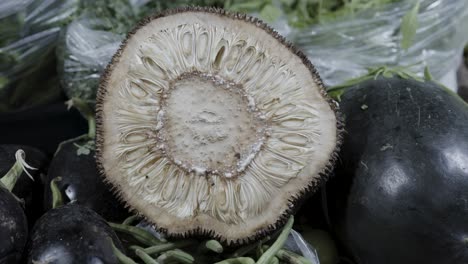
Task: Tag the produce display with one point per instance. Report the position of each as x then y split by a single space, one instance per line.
148 131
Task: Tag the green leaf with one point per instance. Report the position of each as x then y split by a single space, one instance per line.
409 25
427 74
250 6
270 13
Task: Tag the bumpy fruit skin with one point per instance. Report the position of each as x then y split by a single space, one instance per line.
400 191
13 228
72 234
81 182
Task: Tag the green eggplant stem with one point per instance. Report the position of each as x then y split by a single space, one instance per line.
278 244
139 234
147 259
57 199
121 256
239 260
86 112
13 174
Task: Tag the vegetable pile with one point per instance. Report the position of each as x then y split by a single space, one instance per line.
197 135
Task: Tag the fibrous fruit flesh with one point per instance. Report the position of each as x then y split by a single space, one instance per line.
211 123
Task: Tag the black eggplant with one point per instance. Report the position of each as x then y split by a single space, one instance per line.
27 189
72 234
13 228
400 192
81 182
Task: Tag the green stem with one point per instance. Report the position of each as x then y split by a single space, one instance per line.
121 256
274 260
68 141
291 258
211 245
177 255
12 176
139 234
129 220
246 249
240 260
57 199
147 259
168 246
87 113
271 252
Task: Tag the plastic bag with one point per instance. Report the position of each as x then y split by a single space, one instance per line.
296 243
29 30
346 47
91 40
84 55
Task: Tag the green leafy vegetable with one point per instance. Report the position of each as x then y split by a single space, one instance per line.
270 13
409 25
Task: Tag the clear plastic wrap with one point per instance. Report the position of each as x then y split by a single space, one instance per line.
84 52
296 243
340 49
29 30
91 40
347 47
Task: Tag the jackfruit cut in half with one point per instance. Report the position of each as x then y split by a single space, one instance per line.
210 123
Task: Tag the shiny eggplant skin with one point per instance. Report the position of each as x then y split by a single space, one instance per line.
81 182
72 234
30 191
400 190
13 228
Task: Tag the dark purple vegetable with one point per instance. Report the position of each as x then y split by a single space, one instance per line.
400 194
25 188
81 182
13 228
72 234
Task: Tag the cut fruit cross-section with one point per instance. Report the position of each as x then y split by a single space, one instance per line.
210 123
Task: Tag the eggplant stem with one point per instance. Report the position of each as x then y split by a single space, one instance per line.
86 112
147 259
12 176
139 234
57 199
278 244
68 141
